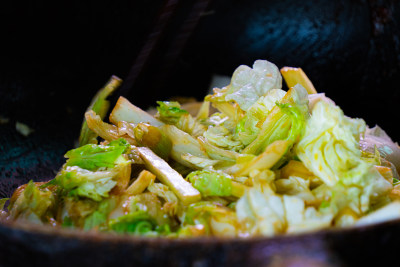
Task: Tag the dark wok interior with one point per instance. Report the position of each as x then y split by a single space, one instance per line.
55 56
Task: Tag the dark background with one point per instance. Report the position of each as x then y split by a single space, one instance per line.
55 56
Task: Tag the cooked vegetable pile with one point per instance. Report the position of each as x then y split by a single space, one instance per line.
252 160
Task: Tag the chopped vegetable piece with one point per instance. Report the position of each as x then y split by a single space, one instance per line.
183 189
272 154
286 121
84 183
138 223
248 84
106 131
211 183
100 106
23 129
153 138
100 216
182 143
126 111
295 168
32 204
217 153
144 179
295 76
169 111
330 146
250 125
92 157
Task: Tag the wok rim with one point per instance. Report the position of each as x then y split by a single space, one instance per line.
95 236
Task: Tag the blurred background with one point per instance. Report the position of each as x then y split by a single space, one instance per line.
55 56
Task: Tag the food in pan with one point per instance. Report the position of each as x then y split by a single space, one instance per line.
250 160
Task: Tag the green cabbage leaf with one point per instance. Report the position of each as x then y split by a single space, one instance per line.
211 183
91 156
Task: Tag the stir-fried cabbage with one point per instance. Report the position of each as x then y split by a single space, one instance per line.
264 162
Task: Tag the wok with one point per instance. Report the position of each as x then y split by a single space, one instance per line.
57 56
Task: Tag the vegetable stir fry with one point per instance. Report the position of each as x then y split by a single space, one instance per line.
253 160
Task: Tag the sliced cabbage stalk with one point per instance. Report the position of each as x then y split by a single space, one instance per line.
295 168
99 105
272 154
106 131
126 111
293 76
183 189
182 143
153 138
144 179
226 108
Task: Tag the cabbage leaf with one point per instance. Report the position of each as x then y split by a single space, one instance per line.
286 121
330 145
249 84
33 204
92 157
211 183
